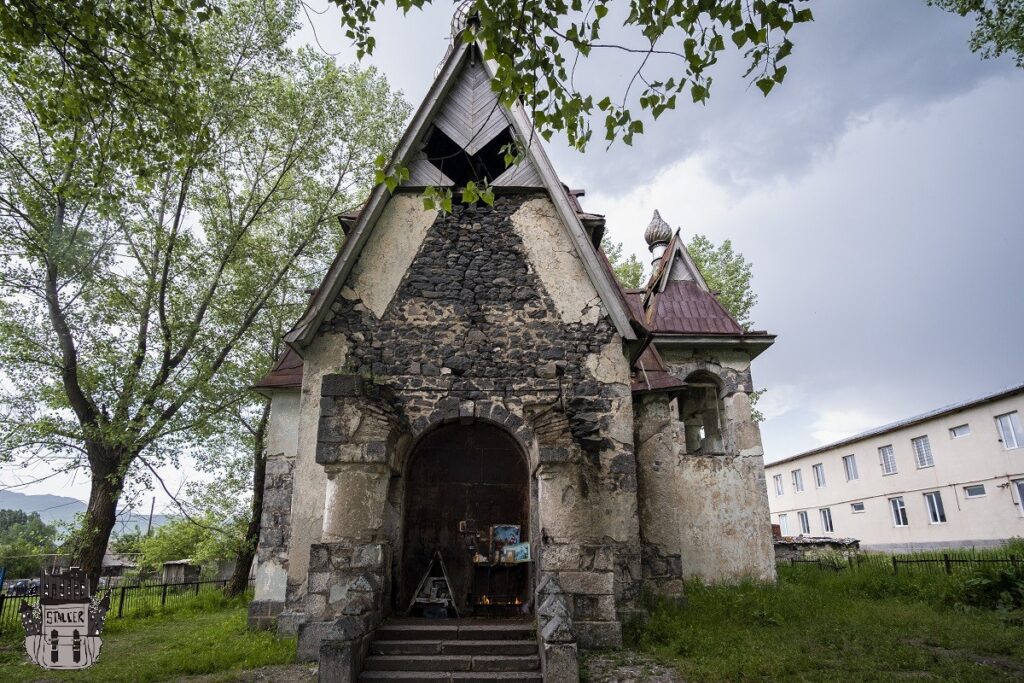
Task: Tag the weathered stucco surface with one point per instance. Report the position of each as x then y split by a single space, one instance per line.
326 355
553 256
390 249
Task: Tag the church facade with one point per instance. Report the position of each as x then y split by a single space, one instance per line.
464 376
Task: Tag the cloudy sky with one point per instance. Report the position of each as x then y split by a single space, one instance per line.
879 194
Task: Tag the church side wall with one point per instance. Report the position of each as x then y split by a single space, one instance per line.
720 511
275 526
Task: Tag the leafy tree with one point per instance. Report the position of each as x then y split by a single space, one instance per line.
999 27
138 277
628 271
537 45
728 274
128 543
25 540
203 541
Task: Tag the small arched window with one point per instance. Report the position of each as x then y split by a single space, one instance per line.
700 411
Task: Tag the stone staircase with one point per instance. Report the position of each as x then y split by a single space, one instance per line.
453 650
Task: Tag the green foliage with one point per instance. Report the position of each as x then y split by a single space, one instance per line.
203 541
209 637
1000 588
128 543
101 61
728 274
536 46
825 625
628 271
145 280
999 27
23 539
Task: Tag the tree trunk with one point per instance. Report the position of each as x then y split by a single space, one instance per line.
239 580
100 515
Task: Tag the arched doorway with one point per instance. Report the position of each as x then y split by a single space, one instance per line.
462 479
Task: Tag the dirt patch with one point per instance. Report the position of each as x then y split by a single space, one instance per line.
994 661
625 666
285 673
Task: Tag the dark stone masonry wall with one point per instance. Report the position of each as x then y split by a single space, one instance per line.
472 319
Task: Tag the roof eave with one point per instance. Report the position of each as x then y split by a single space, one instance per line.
755 345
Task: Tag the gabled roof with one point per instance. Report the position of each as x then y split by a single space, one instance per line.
408 151
677 299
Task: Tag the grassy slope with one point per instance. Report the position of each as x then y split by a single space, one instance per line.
205 639
819 626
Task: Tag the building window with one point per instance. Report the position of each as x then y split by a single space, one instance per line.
1010 432
850 467
922 452
826 520
784 524
857 507
960 431
798 481
819 476
778 484
888 459
899 511
936 513
700 410
1019 484
974 491
805 522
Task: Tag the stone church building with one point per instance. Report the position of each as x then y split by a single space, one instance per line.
460 375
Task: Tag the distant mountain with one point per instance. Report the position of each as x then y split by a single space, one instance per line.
53 509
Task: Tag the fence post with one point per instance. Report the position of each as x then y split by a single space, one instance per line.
895 568
197 587
3 599
949 565
163 594
120 604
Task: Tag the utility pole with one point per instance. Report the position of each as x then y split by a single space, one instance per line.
149 525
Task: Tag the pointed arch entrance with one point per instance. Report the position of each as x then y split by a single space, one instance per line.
461 480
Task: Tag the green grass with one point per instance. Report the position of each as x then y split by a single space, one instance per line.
207 636
820 625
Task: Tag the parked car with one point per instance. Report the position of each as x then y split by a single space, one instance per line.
23 587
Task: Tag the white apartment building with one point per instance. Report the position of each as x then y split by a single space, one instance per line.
951 478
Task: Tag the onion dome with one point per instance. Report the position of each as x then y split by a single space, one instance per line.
658 232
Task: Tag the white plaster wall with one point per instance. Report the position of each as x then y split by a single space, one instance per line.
725 531
978 458
389 251
324 356
552 254
283 428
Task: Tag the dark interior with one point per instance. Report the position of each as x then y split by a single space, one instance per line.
488 163
476 475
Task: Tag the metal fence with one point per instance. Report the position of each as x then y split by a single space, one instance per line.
125 600
941 563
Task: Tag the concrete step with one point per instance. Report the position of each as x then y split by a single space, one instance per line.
454 647
460 676
452 663
513 630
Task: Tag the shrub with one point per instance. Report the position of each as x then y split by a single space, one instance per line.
999 588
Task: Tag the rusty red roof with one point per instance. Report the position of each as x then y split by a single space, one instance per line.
684 307
286 373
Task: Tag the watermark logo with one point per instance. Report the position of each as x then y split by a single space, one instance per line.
63 630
